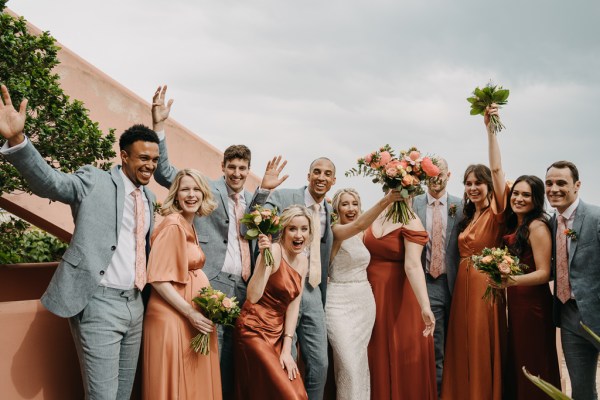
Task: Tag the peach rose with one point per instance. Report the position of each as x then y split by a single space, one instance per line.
227 303
214 296
508 260
276 220
368 158
394 163
265 214
384 158
391 172
407 180
404 164
504 268
487 259
414 155
429 167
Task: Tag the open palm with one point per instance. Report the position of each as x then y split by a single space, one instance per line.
12 121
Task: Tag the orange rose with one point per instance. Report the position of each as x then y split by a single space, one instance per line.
407 180
391 172
404 164
414 155
384 158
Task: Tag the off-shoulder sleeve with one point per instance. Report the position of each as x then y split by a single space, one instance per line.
419 237
499 205
168 261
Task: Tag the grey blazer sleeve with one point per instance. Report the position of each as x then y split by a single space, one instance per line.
165 172
48 182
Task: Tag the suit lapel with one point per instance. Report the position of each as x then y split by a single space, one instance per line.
451 218
421 207
577 225
221 189
120 201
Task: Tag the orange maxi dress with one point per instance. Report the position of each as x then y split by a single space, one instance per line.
259 338
476 340
401 360
171 369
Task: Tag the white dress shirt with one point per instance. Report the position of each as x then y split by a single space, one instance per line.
233 257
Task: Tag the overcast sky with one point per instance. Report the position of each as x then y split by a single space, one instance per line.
340 78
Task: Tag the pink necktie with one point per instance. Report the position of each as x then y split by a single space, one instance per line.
563 288
244 249
314 271
140 239
437 241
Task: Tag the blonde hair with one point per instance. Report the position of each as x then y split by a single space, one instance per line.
337 197
171 205
292 212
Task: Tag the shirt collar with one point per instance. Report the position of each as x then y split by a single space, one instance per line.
129 186
443 200
570 211
309 200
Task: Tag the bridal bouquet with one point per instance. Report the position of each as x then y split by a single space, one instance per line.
406 173
499 265
262 221
490 94
217 307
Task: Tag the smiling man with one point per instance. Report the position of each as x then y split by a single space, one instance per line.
576 266
311 331
98 282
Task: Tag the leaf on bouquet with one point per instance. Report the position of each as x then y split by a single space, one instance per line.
251 234
500 96
546 387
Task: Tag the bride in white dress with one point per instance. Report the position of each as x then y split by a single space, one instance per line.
350 307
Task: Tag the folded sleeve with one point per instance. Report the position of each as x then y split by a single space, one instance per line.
168 261
419 237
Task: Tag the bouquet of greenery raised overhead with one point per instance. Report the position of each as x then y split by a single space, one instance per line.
262 221
482 98
217 307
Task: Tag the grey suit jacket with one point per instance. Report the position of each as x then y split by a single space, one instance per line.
584 265
97 199
212 230
452 254
284 198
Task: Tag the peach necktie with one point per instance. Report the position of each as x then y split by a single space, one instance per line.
563 287
314 271
140 239
437 241
244 249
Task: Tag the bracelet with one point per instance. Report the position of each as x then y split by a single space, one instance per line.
288 335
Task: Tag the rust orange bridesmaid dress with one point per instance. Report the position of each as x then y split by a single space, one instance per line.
171 369
476 340
401 360
259 338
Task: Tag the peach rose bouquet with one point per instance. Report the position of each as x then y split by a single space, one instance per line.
499 265
217 307
406 173
262 221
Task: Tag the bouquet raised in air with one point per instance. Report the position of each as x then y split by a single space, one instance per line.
262 221
406 173
490 94
499 265
217 307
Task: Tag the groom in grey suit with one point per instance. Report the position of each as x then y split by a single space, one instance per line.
98 282
218 232
440 287
576 275
311 330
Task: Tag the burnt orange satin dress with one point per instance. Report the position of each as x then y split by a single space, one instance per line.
259 338
476 340
171 369
401 360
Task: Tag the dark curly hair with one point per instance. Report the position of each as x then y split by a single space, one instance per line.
135 133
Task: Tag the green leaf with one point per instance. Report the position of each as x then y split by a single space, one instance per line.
500 96
477 111
252 233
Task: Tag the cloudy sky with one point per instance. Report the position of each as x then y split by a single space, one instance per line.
340 78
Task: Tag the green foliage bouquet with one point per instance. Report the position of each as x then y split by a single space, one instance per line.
499 265
217 307
482 98
262 221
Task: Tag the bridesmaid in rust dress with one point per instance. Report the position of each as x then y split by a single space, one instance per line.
265 368
401 355
476 337
531 331
171 369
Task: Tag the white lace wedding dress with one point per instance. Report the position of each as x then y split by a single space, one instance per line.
350 315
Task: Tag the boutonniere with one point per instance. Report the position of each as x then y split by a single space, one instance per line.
452 210
156 206
571 234
334 218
